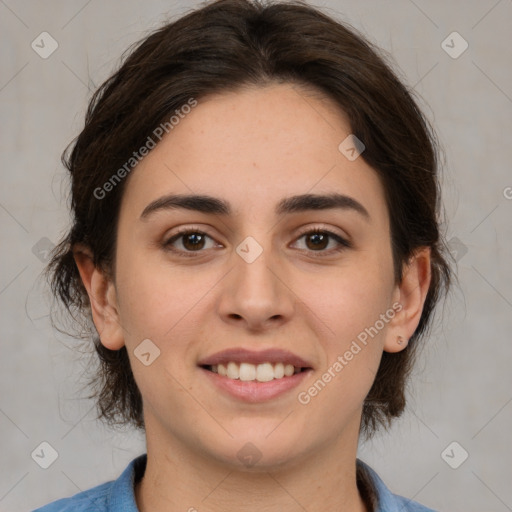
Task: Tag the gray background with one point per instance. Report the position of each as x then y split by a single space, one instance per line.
461 390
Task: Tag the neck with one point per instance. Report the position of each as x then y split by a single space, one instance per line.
181 479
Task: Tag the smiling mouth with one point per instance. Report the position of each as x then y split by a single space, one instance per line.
264 372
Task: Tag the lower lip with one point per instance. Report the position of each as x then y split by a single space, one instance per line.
254 391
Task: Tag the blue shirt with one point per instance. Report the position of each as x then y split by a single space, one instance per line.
118 495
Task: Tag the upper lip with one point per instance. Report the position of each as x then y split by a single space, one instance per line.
242 355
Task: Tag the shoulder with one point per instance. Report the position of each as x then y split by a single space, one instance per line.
93 499
114 496
407 505
386 501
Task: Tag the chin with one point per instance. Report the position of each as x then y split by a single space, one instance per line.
257 454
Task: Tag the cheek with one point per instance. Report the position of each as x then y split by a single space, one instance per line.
352 345
351 312
350 299
160 303
165 304
152 297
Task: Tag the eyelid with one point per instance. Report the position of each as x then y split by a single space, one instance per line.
323 229
343 240
187 230
302 231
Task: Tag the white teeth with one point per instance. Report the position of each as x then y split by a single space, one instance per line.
247 371
279 371
233 371
264 372
288 370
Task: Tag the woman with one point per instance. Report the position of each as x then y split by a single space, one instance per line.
255 237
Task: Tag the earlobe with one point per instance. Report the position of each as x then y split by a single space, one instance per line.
102 297
396 344
411 293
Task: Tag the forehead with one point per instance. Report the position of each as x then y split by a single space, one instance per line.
254 147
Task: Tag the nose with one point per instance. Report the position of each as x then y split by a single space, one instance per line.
257 292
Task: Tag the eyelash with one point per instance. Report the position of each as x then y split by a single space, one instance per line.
343 243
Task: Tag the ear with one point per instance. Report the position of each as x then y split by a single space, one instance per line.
102 296
410 293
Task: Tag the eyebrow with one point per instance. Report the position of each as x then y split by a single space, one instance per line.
294 204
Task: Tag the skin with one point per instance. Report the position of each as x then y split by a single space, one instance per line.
253 148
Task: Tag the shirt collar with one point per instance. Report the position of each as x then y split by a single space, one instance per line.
122 495
386 500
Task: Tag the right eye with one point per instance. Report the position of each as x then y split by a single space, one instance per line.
191 240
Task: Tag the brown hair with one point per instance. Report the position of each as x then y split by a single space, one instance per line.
220 47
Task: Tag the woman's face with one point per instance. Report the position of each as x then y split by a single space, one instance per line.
250 279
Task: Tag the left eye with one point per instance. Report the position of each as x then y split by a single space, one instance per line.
317 240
